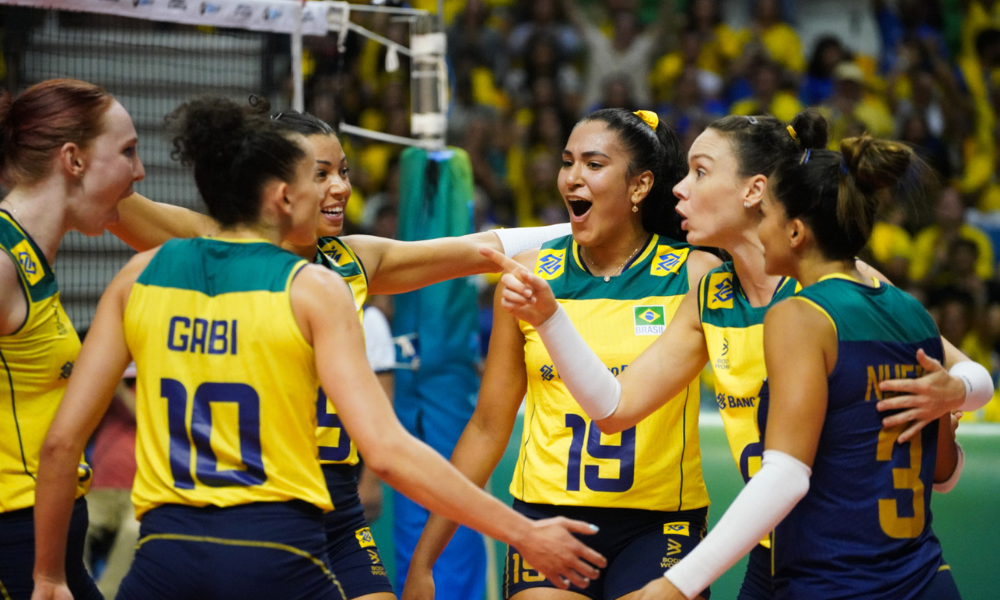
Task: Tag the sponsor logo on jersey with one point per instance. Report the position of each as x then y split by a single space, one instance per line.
649 320
548 373
332 250
373 556
722 363
720 290
666 563
551 263
66 370
677 528
30 265
725 401
674 547
667 261
365 539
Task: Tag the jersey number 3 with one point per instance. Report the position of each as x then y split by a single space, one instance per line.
624 453
199 435
905 478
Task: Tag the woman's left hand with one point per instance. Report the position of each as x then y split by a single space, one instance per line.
922 400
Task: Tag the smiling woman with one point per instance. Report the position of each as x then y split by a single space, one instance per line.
67 155
620 278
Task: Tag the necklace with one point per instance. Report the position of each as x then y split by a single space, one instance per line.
618 271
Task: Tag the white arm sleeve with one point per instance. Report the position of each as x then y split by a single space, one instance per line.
519 239
592 385
978 383
771 494
949 484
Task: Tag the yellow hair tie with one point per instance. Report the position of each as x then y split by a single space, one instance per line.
791 132
649 117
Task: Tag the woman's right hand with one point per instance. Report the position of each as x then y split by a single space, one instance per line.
419 583
526 295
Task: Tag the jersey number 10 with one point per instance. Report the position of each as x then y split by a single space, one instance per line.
199 435
624 453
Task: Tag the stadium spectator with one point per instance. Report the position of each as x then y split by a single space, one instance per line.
932 245
628 53
771 36
817 85
770 95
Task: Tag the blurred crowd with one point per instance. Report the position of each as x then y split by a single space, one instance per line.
523 72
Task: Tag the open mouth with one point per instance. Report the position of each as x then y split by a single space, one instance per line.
336 211
580 207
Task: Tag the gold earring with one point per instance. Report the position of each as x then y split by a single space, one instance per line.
635 208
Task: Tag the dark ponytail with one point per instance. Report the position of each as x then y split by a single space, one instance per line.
657 151
234 154
838 194
761 142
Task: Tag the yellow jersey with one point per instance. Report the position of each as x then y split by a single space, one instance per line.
564 458
335 446
734 334
36 362
225 403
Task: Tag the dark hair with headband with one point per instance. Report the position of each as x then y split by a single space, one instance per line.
760 142
235 153
657 151
837 194
299 122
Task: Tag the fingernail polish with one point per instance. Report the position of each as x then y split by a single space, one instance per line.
594 528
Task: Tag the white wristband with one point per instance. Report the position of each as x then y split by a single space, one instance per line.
519 239
978 383
771 494
590 382
949 484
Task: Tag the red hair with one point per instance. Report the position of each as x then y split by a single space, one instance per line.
42 119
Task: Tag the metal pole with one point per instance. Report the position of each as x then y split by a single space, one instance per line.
298 92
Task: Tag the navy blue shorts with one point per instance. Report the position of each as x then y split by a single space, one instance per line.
262 550
639 545
758 584
17 555
941 587
352 552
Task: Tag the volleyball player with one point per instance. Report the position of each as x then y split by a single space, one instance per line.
67 156
851 507
232 337
368 264
620 277
721 320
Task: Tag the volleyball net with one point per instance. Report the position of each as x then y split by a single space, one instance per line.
152 55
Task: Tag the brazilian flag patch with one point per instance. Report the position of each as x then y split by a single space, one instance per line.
649 320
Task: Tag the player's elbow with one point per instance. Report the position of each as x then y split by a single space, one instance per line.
382 458
610 425
57 448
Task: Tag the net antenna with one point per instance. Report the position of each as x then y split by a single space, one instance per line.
428 72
